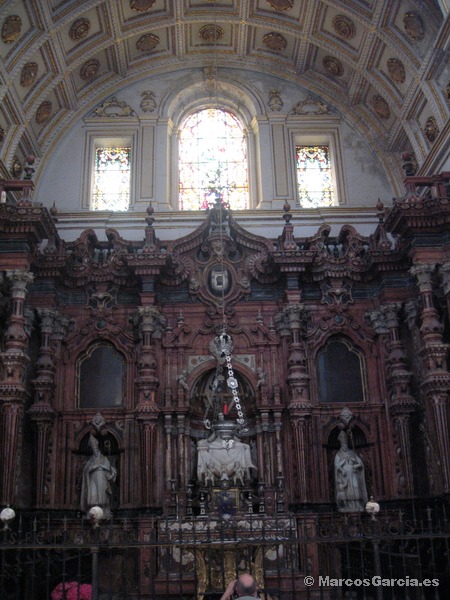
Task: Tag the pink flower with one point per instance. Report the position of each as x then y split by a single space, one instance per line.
72 590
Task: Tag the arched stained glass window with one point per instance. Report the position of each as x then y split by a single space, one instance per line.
212 161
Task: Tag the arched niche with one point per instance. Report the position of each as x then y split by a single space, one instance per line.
341 372
109 447
235 95
202 403
357 441
100 376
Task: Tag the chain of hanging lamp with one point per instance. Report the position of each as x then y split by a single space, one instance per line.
224 340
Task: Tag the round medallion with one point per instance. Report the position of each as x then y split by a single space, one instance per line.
344 27
210 33
333 66
275 41
147 42
90 69
79 29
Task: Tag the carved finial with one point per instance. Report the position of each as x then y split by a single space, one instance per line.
150 219
409 164
28 168
287 214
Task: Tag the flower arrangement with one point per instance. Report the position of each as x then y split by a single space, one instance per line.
72 590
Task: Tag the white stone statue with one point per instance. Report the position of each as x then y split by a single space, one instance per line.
98 475
351 492
222 457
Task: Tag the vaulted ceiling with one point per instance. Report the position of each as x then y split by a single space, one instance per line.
382 63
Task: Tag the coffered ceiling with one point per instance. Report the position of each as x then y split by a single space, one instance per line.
382 63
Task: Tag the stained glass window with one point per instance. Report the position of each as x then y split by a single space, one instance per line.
112 178
212 161
314 182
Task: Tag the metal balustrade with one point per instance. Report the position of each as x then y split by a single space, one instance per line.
137 555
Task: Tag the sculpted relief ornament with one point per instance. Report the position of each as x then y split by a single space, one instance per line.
396 70
90 69
275 101
141 5
344 27
114 108
332 66
43 112
148 102
414 26
29 74
381 107
431 129
310 106
211 33
275 41
11 29
79 29
147 42
281 4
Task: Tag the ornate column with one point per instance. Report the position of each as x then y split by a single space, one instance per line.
401 403
13 394
150 323
42 412
436 381
299 407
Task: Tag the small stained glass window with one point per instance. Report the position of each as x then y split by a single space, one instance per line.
314 177
212 161
112 178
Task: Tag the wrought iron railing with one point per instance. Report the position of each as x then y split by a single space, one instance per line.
401 553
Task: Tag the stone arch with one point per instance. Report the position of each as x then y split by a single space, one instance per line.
236 96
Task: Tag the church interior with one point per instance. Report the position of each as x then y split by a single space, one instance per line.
224 298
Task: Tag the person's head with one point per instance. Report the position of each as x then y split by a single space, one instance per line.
246 585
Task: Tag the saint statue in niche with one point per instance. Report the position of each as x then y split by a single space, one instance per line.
98 477
351 492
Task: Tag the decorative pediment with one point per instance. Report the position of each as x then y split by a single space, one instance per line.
218 261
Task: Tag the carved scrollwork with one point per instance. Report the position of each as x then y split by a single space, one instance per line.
261 267
178 269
